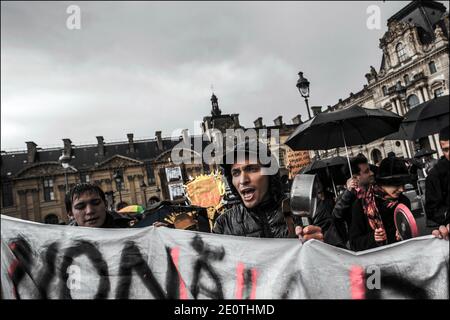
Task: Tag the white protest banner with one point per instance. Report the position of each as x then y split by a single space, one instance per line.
65 262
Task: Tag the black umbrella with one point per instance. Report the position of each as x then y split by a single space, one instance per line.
423 120
348 127
328 169
423 153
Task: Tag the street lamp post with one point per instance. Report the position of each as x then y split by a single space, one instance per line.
143 186
118 178
303 88
64 159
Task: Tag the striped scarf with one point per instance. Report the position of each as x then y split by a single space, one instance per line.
370 207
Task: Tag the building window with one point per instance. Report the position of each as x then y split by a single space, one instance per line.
7 194
401 52
376 156
150 175
385 90
412 101
49 194
406 78
432 67
282 155
85 178
438 92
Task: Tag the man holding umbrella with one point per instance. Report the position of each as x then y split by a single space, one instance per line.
362 178
437 185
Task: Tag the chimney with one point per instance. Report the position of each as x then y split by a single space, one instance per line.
258 122
235 117
67 146
130 142
297 119
316 110
31 151
100 146
278 121
159 140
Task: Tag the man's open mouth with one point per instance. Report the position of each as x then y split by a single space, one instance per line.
248 193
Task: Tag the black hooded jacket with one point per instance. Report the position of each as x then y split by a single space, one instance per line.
265 221
437 193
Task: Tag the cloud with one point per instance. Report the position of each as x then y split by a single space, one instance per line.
146 66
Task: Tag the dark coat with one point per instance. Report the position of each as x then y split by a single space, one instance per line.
437 193
265 221
361 235
337 233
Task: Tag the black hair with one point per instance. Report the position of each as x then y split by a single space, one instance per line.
354 164
444 134
80 189
121 205
275 182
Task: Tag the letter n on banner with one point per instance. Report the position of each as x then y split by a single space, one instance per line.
243 282
175 254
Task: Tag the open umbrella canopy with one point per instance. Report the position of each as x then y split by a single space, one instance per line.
132 209
330 171
321 164
424 152
423 120
348 127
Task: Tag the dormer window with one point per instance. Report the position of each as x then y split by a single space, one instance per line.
401 52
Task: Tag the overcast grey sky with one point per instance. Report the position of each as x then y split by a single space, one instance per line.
145 66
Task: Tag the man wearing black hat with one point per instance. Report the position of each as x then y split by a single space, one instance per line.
253 174
437 186
373 213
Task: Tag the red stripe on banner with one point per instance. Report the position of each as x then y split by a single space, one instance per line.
239 280
12 268
254 276
175 253
357 282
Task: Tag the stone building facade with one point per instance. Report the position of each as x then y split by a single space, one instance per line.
33 181
415 54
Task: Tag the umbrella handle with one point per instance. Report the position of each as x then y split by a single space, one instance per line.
346 151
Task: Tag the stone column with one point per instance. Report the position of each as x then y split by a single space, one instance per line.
421 94
426 94
22 195
62 197
132 189
36 205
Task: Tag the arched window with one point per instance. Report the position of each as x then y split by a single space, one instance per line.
376 156
401 52
406 78
51 219
412 101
